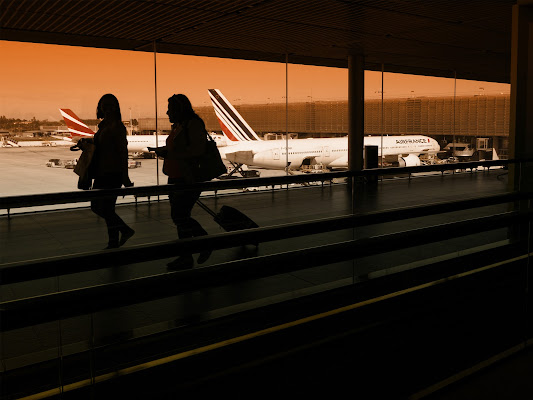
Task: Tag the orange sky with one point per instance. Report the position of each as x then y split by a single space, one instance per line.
37 79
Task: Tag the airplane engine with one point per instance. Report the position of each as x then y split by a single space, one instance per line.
144 153
268 159
341 162
409 161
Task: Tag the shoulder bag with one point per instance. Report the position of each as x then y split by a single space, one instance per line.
210 164
82 168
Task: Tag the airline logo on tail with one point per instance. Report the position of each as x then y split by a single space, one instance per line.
232 123
76 128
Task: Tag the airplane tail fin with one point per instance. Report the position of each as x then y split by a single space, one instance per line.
75 126
232 123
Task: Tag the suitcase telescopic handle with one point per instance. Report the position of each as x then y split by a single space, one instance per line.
205 208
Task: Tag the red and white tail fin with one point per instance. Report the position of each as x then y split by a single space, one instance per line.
232 123
76 128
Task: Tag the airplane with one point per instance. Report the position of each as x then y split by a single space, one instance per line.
136 143
331 153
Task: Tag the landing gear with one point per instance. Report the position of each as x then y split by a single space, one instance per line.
237 167
289 171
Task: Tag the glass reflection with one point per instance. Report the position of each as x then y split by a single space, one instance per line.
282 103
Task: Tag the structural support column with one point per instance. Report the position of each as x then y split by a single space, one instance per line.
521 113
521 117
356 111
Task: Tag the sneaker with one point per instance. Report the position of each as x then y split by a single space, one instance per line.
125 236
180 263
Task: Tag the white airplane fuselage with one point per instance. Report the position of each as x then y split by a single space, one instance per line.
140 143
330 152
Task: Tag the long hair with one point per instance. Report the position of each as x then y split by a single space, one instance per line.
182 104
108 107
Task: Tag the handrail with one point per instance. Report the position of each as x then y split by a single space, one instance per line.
40 309
21 271
11 202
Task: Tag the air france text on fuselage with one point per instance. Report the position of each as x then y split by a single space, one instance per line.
410 141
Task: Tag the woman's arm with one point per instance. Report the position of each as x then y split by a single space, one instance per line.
159 151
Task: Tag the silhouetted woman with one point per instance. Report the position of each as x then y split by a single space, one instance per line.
187 141
109 167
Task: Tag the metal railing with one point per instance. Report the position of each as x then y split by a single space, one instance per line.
53 306
13 202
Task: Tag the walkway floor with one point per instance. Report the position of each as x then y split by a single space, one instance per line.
509 379
45 234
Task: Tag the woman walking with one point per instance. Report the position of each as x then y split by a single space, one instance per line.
109 168
186 142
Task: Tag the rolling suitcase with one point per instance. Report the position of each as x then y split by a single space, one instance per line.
229 218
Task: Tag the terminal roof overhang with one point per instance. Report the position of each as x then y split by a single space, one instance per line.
471 39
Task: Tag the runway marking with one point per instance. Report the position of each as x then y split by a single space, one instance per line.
262 332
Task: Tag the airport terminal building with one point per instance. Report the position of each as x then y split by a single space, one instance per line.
443 118
376 282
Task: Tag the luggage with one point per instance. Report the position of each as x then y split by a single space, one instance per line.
82 168
210 164
230 218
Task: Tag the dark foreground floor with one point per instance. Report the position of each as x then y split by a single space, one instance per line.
510 378
45 234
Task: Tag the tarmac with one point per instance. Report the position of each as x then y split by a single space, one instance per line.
24 172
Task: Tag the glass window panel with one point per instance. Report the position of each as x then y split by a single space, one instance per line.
397 105
252 89
38 80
